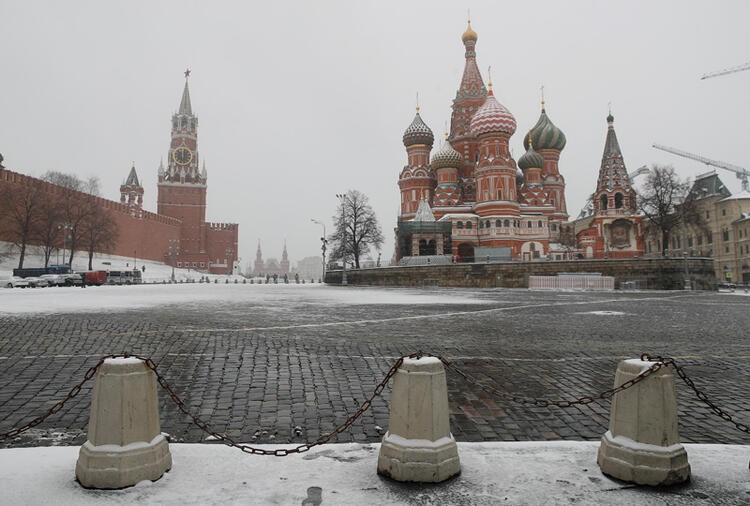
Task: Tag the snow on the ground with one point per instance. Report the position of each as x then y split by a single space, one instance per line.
491 473
219 289
119 298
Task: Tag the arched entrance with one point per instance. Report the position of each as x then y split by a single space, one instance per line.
465 252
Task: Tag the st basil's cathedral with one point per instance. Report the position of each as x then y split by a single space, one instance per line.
471 201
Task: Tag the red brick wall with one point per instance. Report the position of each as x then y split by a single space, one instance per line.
141 234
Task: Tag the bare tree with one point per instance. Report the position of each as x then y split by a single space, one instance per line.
357 228
99 233
47 232
19 206
75 209
666 202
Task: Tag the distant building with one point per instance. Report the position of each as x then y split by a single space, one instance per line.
271 266
310 268
723 232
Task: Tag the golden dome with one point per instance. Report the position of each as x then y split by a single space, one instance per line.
469 34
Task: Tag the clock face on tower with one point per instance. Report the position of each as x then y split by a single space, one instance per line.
182 155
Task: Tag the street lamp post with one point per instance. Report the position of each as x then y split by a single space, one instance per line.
229 252
342 198
324 242
64 227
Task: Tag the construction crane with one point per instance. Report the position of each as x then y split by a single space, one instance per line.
741 173
638 172
724 72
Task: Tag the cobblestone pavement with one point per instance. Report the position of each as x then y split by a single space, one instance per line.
257 371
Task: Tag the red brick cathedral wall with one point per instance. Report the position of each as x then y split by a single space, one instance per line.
141 234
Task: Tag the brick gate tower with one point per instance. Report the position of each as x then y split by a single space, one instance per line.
182 195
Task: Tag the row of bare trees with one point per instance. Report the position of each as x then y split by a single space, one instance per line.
51 220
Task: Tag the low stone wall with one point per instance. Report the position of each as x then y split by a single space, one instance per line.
641 273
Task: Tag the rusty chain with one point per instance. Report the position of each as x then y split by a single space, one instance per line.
280 452
58 405
704 398
659 362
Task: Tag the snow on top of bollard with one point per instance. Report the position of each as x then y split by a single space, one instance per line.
422 361
418 443
123 361
637 362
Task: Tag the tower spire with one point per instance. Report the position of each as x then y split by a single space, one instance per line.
542 93
185 107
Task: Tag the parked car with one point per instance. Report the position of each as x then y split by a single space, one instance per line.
72 279
14 282
36 282
54 279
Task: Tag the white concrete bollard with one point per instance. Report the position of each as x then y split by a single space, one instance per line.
419 445
125 444
642 444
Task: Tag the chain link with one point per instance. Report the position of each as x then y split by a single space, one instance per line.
58 405
704 398
659 362
281 452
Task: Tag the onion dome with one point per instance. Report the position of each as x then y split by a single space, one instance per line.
530 160
418 133
545 135
446 157
492 117
469 34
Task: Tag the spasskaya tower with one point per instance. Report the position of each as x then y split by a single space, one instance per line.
182 195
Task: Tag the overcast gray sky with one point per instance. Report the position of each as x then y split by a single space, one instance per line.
298 101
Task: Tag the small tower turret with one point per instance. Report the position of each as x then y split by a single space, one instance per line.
131 191
416 181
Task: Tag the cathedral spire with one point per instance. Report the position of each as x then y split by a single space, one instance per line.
185 107
611 146
472 85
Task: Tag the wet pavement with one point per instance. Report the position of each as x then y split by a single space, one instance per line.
291 366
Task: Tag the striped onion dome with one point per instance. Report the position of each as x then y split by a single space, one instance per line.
530 160
492 117
545 135
418 133
446 157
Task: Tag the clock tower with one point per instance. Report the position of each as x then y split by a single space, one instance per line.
182 184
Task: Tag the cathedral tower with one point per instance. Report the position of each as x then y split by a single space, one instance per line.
416 181
469 98
616 229
549 141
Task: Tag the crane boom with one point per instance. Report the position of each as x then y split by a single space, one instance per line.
741 172
723 72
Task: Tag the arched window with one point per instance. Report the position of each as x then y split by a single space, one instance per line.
603 201
529 224
498 223
618 200
468 224
539 224
459 224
